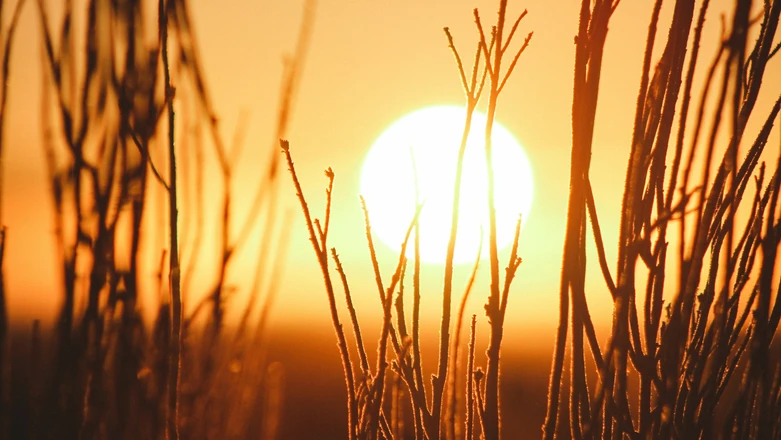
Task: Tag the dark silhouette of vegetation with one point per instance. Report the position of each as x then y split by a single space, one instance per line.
103 373
434 418
128 118
709 311
695 323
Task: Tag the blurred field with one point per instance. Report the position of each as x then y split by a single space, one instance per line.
313 393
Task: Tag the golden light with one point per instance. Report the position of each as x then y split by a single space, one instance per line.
423 147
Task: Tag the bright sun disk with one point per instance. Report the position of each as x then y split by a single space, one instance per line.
423 146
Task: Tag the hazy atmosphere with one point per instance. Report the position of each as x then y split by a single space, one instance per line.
303 144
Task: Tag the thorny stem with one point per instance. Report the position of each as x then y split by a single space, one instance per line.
353 315
387 330
444 332
322 256
470 385
453 379
490 412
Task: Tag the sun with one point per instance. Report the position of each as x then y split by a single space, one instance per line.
422 148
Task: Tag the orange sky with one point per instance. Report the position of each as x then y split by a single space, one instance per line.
370 62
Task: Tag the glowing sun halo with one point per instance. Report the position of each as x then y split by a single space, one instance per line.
423 146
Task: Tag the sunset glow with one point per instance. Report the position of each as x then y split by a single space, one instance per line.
204 205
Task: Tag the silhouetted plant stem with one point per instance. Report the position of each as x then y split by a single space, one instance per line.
417 394
496 300
352 420
439 381
453 382
174 376
588 54
496 304
470 384
353 315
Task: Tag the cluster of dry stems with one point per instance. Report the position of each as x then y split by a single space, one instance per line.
692 323
109 119
373 401
697 336
695 292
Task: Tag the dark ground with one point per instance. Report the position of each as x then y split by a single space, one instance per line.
315 403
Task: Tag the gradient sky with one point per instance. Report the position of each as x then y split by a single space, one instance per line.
370 62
